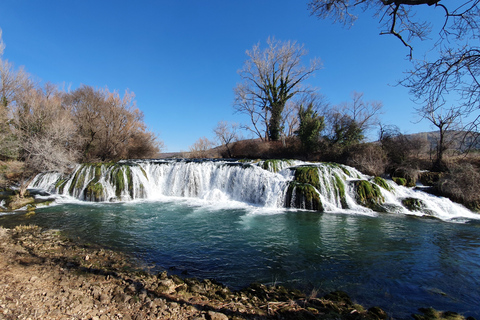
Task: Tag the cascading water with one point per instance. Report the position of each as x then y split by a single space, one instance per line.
272 184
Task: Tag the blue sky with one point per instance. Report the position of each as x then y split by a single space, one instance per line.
181 58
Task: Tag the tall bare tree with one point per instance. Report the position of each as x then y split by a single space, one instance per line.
271 77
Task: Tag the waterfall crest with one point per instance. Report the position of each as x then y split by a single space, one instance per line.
322 187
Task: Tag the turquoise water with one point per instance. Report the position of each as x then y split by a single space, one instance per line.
397 262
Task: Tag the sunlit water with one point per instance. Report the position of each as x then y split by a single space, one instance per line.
397 262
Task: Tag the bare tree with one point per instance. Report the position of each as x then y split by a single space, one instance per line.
144 145
290 120
86 105
398 17
119 121
348 122
447 124
110 127
399 147
364 113
271 77
227 133
453 74
46 132
200 149
12 82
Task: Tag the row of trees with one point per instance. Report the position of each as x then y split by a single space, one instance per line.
50 129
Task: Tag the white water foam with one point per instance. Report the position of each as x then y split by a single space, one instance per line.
224 185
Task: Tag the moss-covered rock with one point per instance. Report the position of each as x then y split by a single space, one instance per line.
128 172
303 196
60 185
340 188
94 192
368 194
144 172
15 202
413 204
118 179
400 181
77 181
274 165
307 175
382 183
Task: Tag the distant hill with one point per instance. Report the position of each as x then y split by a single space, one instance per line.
460 140
171 155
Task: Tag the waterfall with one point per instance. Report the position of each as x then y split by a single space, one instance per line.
325 187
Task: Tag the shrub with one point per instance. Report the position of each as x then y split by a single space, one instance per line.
462 185
368 158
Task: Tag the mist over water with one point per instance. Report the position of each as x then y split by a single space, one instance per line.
228 222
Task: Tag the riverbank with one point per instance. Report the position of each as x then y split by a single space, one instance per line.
48 276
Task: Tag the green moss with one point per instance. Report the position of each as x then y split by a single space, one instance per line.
382 183
340 186
270 165
345 170
368 194
413 204
15 202
94 191
60 185
400 181
128 172
98 171
303 196
144 172
119 181
308 175
274 165
78 180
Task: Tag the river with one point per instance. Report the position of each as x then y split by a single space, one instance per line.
398 262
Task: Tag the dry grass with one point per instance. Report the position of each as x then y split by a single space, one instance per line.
10 173
369 159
